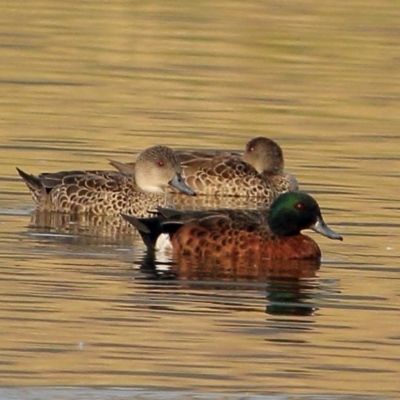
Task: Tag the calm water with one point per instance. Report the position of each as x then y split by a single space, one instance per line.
81 82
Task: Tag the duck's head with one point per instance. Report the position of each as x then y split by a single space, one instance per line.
158 167
264 155
292 212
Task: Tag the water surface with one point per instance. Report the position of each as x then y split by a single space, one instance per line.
85 82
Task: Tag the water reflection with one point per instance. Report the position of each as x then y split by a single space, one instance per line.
90 229
289 284
290 296
86 81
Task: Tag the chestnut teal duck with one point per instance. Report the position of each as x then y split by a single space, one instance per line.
273 233
258 172
111 192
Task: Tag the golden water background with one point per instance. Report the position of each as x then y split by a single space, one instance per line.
85 81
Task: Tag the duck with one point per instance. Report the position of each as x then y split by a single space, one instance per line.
258 172
111 193
272 233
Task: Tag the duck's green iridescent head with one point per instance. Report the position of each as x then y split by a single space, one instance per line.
292 212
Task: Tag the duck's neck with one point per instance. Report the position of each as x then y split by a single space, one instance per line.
146 186
283 223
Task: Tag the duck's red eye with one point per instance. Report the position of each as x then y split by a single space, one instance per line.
250 149
299 206
160 163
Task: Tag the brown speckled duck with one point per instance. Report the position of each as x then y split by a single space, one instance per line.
258 172
111 192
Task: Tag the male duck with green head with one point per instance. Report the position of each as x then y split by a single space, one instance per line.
256 234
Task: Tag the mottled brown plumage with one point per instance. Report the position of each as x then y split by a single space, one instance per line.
254 234
217 237
258 172
110 193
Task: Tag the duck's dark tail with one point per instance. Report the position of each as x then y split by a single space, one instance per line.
33 182
151 228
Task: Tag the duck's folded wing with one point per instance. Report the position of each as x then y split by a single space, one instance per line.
51 179
124 168
95 182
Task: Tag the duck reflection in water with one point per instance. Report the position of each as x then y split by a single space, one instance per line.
83 229
291 296
290 284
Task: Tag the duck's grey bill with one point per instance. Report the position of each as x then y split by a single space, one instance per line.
179 183
321 227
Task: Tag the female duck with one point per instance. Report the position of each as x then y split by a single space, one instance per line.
258 172
110 193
